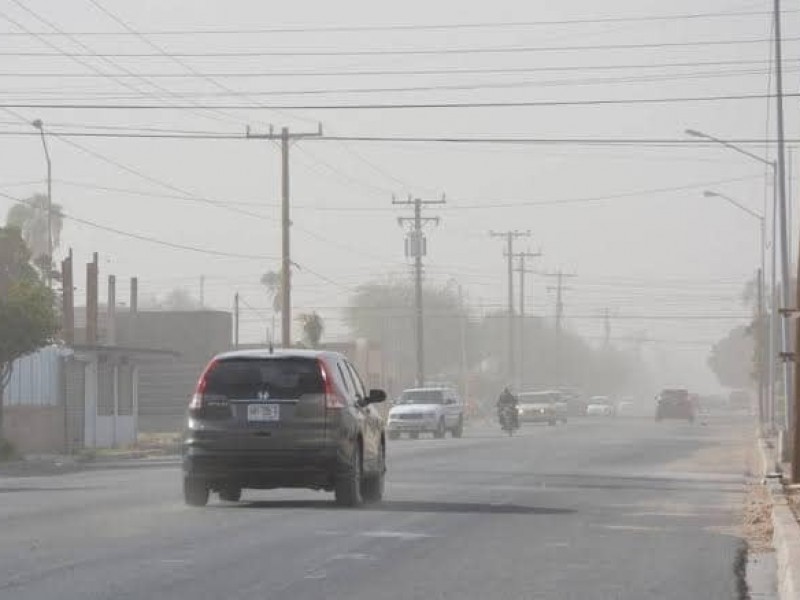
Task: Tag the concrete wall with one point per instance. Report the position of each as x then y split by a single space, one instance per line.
35 429
166 384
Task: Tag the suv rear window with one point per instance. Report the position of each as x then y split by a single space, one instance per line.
422 397
247 378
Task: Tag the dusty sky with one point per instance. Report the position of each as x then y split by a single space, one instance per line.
651 256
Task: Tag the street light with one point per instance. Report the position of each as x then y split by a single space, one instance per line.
38 124
779 208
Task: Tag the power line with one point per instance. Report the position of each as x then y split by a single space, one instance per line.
474 86
403 51
464 140
91 52
171 56
146 238
404 72
396 105
189 196
434 26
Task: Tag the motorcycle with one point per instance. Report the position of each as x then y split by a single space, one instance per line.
509 419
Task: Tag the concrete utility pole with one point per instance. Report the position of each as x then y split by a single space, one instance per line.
92 271
286 139
522 271
67 300
416 248
509 237
791 390
559 289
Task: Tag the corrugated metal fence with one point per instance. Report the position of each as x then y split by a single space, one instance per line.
35 379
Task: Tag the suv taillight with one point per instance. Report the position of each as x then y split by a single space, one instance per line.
333 399
208 406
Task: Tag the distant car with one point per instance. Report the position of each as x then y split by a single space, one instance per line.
600 406
427 410
675 404
296 419
542 407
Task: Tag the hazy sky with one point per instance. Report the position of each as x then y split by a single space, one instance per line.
638 250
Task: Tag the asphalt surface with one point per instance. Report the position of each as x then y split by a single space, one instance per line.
607 508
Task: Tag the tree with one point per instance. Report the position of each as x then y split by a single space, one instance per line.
383 312
731 359
313 327
27 315
31 217
272 280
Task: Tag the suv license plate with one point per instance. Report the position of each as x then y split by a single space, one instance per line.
263 412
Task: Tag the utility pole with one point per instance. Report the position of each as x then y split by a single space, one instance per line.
286 138
67 301
236 321
522 271
790 367
92 270
509 237
416 248
559 289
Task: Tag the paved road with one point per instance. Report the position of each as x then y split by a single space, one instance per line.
592 510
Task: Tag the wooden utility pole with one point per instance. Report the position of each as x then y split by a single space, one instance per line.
416 248
559 289
522 271
286 139
509 237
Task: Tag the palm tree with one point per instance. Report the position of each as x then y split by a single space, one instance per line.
31 217
313 327
272 281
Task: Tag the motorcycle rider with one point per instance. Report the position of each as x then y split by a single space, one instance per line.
507 400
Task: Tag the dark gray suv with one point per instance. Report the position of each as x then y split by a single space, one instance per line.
275 419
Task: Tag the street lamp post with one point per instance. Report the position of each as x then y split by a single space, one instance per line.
779 213
38 124
763 411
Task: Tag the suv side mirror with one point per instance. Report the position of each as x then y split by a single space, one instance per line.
375 397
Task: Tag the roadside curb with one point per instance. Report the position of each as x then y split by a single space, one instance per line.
786 529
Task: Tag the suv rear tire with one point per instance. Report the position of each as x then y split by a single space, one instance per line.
348 490
373 486
459 429
195 491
